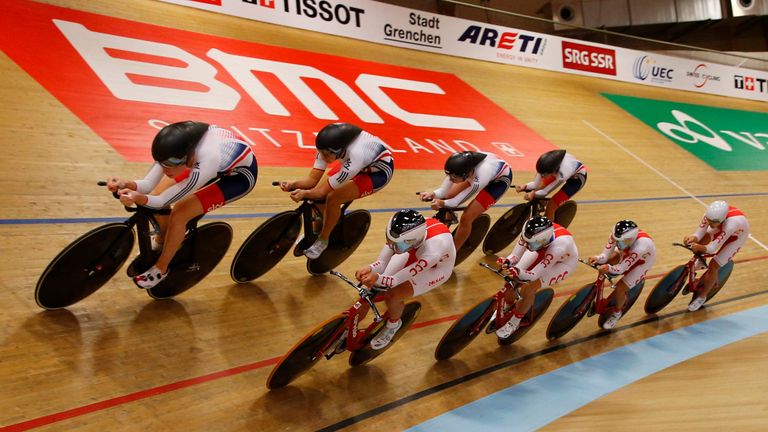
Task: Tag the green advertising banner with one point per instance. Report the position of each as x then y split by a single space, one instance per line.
726 139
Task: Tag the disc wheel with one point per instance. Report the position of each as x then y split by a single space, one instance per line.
302 356
479 229
506 229
84 266
565 213
571 312
344 240
666 289
366 353
540 305
465 329
722 277
265 247
199 254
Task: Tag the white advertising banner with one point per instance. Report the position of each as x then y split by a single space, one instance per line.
398 26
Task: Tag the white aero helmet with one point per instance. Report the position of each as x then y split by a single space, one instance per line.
717 211
406 230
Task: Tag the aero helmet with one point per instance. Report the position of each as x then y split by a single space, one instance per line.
406 230
538 232
336 137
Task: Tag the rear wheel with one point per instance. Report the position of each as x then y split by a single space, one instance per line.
540 305
199 254
366 353
266 246
632 296
465 329
479 229
565 213
84 266
344 240
506 229
306 352
666 289
571 312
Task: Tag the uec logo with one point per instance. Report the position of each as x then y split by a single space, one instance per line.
645 66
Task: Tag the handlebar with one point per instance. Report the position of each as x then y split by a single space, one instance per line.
509 280
164 211
365 293
608 276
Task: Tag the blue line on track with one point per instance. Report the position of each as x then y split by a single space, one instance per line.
217 216
534 403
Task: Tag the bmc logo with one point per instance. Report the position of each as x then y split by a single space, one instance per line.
507 41
263 3
275 98
645 67
589 58
748 83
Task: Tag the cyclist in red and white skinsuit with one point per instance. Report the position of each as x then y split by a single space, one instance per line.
418 257
366 167
629 252
722 231
553 169
544 256
204 167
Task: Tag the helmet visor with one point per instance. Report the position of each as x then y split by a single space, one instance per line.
173 162
623 243
536 244
401 246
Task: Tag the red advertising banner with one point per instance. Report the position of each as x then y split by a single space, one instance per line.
589 58
126 80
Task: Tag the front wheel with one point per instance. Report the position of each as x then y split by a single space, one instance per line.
84 266
506 229
306 352
479 229
465 329
666 289
199 254
266 246
571 312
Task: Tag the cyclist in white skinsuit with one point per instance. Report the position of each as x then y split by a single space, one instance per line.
419 257
554 169
544 256
631 253
722 231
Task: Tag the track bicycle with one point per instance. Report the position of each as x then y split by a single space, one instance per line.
684 277
87 263
490 314
338 334
272 240
589 300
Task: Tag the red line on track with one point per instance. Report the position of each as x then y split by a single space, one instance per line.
143 394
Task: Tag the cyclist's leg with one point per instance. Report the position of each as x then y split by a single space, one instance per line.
549 277
721 258
569 189
162 220
482 202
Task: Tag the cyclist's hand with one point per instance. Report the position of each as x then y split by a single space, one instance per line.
298 195
519 188
114 184
370 279
360 274
129 197
603 268
512 272
504 262
528 196
592 260
697 248
427 196
437 204
689 240
287 186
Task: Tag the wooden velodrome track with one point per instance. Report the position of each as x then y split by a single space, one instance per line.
119 360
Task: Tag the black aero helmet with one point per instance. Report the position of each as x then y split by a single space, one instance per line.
549 162
335 137
177 140
625 232
462 163
538 232
406 230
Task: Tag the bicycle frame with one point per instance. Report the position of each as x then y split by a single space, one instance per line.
354 336
500 299
690 267
596 295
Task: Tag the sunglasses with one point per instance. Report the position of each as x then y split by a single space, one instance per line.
173 162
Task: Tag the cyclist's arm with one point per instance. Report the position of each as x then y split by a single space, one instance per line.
315 174
445 187
462 195
701 229
726 231
153 177
608 251
205 170
517 252
640 251
535 184
556 182
557 252
381 262
427 256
